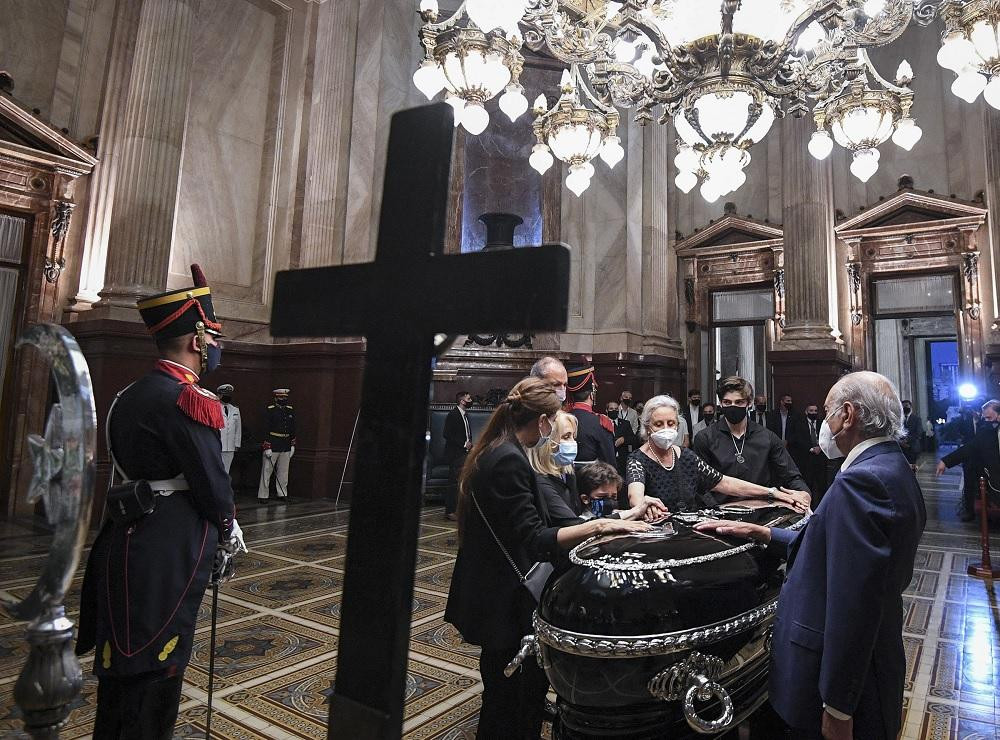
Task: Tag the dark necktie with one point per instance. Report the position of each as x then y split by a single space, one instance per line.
226 407
468 432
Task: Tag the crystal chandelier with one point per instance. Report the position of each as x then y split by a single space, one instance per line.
865 112
720 70
971 48
574 133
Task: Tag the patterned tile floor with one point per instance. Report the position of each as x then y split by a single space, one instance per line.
279 621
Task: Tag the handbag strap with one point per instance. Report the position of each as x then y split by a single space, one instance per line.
503 549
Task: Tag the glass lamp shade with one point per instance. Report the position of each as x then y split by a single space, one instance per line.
540 159
862 124
992 92
907 133
611 151
686 180
575 141
686 159
428 6
820 145
709 191
429 79
475 119
968 84
984 38
624 50
720 115
865 164
811 37
956 52
513 102
487 14
578 178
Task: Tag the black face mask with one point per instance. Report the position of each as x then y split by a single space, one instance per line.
788 406
626 402
281 401
762 407
696 401
613 414
226 399
734 414
907 409
709 418
813 417
214 358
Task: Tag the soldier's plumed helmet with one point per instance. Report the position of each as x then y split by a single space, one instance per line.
178 312
580 378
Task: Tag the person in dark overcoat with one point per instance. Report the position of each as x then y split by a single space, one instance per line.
145 578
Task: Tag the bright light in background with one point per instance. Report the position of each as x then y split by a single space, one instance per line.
968 391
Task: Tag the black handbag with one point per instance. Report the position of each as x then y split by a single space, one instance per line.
538 574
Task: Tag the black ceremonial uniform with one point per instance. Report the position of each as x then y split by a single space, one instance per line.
594 441
279 420
147 573
144 581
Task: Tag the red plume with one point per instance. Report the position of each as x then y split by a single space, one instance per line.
198 276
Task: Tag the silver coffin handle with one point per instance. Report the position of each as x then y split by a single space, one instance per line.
529 646
704 690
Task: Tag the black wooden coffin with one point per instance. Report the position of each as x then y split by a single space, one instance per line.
661 635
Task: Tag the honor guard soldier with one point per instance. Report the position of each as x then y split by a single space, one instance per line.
165 524
279 445
595 432
232 430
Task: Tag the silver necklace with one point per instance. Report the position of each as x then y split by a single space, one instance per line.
739 450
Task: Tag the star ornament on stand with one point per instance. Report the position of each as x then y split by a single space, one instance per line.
47 463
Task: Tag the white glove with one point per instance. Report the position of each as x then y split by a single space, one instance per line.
236 542
267 452
291 452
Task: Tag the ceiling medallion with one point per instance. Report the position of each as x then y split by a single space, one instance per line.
721 71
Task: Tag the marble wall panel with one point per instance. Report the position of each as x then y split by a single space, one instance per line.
31 37
221 179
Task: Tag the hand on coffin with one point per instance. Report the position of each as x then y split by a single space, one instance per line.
798 500
743 530
620 526
941 467
654 509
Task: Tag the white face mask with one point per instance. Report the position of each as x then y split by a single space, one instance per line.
561 394
663 438
827 440
543 439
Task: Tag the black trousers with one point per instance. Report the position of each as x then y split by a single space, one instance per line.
451 492
140 707
513 708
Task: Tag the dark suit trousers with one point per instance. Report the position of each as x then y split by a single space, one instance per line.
140 707
451 492
513 707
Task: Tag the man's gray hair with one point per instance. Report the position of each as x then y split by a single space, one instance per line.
656 402
541 367
875 400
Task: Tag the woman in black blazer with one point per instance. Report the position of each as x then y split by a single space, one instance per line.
486 602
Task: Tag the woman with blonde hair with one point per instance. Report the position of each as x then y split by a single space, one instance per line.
504 530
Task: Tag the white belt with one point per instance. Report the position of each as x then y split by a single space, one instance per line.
167 487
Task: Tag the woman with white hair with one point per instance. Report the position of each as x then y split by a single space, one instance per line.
677 476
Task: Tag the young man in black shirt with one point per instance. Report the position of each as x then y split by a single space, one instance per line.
740 448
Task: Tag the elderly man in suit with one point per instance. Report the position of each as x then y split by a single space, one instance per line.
837 662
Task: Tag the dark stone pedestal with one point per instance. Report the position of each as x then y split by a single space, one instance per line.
806 374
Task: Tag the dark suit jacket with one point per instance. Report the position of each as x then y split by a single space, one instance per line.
983 452
914 434
486 602
594 441
454 435
792 425
838 632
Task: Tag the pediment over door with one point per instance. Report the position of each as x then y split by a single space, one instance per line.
909 211
24 137
730 233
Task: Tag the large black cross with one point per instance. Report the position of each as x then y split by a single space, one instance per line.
410 293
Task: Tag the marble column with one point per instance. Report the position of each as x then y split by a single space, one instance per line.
149 162
991 152
324 203
807 360
807 215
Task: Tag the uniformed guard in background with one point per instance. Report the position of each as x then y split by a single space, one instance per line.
595 432
166 524
279 445
232 429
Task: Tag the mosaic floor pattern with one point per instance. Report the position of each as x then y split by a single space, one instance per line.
279 621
